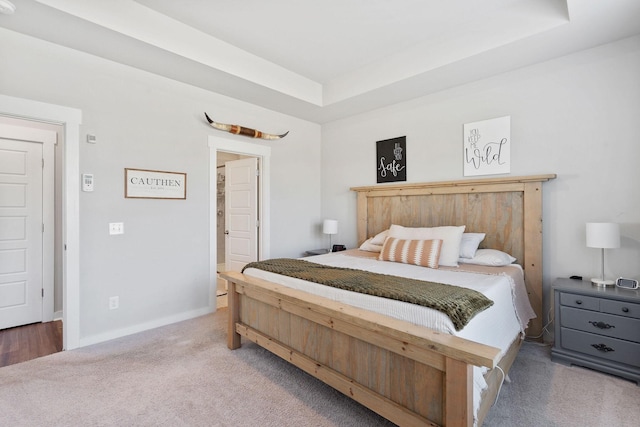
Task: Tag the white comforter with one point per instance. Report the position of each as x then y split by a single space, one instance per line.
496 326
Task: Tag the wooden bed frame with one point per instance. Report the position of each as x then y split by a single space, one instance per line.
411 375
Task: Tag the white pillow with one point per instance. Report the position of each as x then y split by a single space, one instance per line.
370 247
374 244
469 244
490 257
379 238
450 236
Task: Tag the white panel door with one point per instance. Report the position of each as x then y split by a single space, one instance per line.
21 232
241 213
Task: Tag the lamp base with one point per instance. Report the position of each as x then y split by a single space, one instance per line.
602 283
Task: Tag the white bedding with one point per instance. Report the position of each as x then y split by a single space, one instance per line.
496 326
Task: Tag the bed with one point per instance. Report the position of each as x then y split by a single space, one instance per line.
407 373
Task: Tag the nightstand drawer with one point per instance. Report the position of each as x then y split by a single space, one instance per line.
620 308
580 301
604 347
600 323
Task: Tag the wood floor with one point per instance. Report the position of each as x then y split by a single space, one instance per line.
29 342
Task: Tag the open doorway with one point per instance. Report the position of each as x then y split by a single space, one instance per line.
68 266
29 217
222 151
221 203
231 198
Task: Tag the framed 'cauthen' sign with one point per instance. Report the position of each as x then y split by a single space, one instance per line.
152 184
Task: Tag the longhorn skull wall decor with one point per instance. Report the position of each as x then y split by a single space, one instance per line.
240 130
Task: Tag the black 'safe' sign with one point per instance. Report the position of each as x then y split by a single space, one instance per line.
392 159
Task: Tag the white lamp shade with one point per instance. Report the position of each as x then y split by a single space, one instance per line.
603 235
330 226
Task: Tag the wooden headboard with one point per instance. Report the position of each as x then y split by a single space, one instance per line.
507 209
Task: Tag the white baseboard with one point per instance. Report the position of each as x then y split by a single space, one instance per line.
95 339
57 315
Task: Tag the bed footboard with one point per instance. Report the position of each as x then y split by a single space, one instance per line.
411 375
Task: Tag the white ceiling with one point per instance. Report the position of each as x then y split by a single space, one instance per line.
324 60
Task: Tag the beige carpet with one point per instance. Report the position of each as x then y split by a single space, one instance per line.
545 393
183 375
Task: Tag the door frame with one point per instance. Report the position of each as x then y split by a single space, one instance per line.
263 154
70 119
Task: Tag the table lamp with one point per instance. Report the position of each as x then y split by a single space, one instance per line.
330 226
603 235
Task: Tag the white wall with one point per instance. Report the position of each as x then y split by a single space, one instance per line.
576 116
159 268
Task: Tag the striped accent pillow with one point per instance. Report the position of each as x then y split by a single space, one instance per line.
419 252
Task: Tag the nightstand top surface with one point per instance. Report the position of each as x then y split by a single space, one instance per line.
317 252
584 287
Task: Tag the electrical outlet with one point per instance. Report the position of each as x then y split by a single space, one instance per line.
116 228
114 303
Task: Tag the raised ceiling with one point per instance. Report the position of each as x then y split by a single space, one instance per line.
324 60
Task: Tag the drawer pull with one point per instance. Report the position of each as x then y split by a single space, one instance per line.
601 325
625 310
579 301
602 347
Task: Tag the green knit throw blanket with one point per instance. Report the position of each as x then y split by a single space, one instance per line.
460 304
